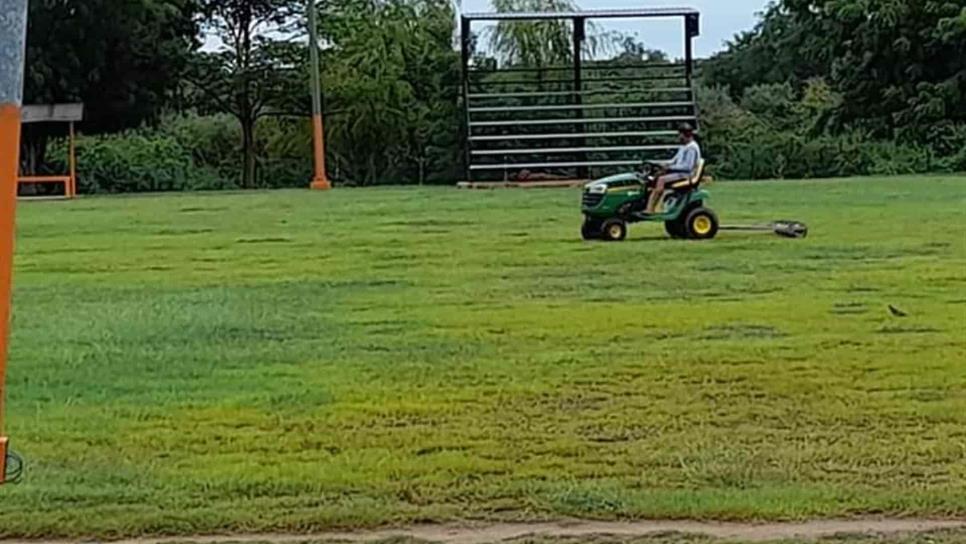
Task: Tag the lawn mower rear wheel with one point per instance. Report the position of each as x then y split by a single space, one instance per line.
701 224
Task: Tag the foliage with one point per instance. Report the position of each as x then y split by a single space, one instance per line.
207 148
630 50
791 156
141 161
781 141
778 50
252 71
950 142
818 107
543 44
122 58
900 65
290 362
774 102
882 81
533 43
213 141
284 148
390 77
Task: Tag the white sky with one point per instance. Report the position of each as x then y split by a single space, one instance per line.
720 21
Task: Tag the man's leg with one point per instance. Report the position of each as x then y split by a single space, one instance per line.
656 193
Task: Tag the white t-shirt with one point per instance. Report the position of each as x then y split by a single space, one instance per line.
686 159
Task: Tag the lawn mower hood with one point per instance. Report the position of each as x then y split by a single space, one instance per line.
601 186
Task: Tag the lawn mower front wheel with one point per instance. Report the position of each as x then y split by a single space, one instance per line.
614 230
591 229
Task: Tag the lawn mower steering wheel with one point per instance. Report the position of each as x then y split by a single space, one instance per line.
650 168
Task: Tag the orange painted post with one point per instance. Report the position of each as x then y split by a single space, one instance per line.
13 20
72 159
320 181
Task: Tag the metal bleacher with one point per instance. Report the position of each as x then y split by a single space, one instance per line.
574 122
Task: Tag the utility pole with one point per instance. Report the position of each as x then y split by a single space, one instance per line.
13 20
320 181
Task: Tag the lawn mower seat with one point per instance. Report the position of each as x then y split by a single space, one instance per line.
694 181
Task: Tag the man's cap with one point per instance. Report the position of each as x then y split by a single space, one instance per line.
686 128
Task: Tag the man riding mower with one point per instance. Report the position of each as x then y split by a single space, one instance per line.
668 192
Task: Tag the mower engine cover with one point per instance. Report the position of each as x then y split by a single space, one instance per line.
604 197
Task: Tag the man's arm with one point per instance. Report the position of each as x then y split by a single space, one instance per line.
685 161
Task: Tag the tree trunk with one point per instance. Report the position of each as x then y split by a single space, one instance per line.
248 153
371 171
34 149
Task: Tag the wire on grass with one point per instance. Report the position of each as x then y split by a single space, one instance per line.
15 466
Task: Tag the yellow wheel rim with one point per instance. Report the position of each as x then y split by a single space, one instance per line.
701 225
615 231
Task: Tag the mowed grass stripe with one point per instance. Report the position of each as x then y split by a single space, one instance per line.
296 361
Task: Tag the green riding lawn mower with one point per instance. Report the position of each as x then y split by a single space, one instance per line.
610 204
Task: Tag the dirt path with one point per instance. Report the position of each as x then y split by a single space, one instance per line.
493 533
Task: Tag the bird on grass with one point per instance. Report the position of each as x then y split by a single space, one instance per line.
896 312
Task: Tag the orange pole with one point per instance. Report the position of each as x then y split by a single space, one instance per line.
320 181
13 14
9 163
72 159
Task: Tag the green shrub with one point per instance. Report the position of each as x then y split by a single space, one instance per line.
782 155
776 104
213 141
892 159
190 152
740 144
284 147
134 162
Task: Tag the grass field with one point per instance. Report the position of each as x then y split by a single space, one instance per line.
929 538
300 361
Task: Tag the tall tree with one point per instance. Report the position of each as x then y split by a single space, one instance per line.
122 58
390 75
778 50
900 65
632 51
250 66
540 43
533 43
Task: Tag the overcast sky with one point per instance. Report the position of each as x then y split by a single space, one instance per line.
720 21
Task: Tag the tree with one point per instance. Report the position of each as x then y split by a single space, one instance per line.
632 51
390 75
252 68
540 43
122 58
778 50
533 43
899 65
